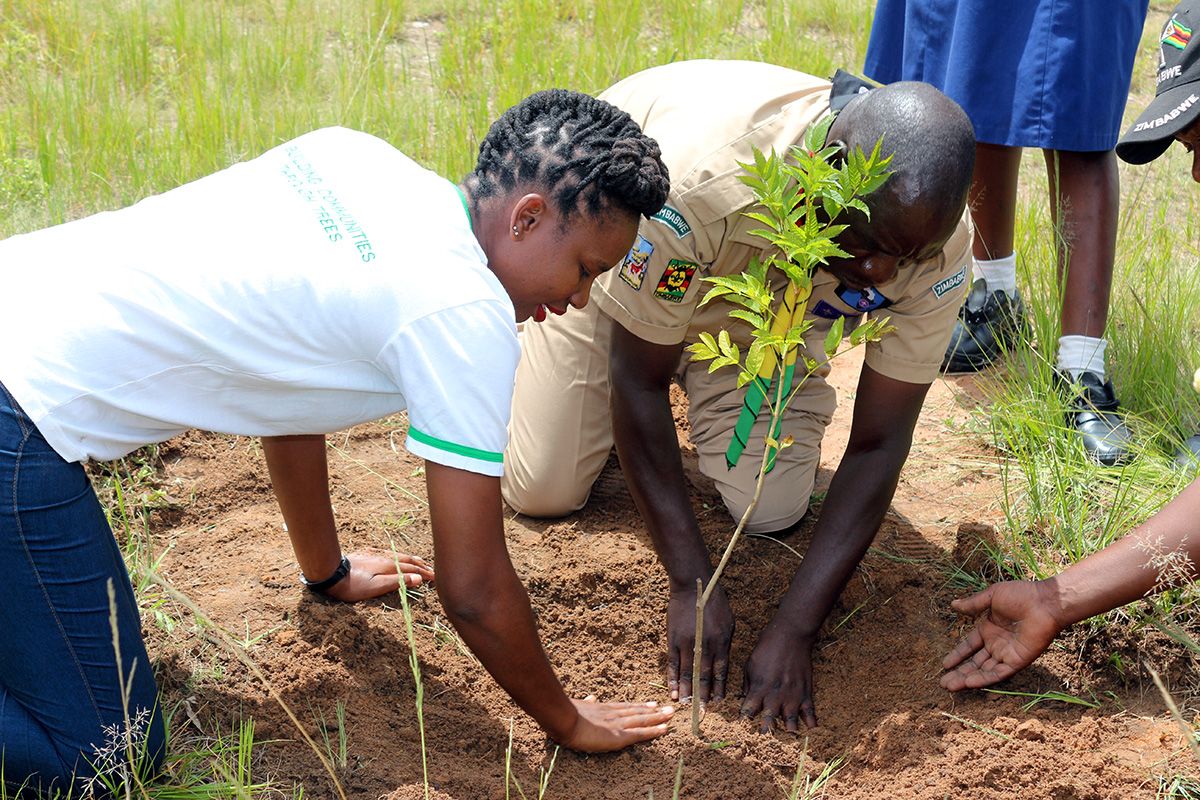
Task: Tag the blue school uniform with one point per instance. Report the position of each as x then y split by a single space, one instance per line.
1029 73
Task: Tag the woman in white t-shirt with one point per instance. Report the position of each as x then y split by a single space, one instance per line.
328 282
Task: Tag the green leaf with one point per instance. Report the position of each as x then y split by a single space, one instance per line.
758 216
755 356
728 348
758 269
719 362
817 135
795 334
728 281
700 352
834 337
755 320
713 294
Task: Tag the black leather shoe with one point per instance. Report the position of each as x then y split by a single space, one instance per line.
1093 414
1188 455
988 323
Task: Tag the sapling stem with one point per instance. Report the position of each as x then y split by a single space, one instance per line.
696 652
702 597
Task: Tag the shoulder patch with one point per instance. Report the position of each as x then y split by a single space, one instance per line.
862 301
633 268
676 278
674 220
950 283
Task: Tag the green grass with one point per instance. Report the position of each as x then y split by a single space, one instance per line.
1037 698
211 767
806 786
106 101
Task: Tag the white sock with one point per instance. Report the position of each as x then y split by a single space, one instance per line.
999 273
1078 354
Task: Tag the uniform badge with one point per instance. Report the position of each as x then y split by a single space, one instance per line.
674 220
1176 34
823 309
676 278
633 268
859 302
947 284
864 300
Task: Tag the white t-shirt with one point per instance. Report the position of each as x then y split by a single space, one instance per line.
328 282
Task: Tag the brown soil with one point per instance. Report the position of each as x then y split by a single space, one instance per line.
600 599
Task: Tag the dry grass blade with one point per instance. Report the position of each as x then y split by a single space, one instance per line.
1189 735
219 636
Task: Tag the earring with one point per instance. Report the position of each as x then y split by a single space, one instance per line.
515 231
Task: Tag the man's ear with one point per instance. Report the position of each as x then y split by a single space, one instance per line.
527 214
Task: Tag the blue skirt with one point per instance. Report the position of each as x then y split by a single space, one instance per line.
1029 73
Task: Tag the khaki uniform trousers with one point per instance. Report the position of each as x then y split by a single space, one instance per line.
561 430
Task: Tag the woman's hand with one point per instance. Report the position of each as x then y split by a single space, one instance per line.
604 727
376 574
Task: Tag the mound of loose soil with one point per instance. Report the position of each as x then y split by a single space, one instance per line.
600 598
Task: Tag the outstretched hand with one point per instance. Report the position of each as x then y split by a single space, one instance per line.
778 681
604 727
681 645
375 574
1014 625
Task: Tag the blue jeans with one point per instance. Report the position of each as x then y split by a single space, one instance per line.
59 684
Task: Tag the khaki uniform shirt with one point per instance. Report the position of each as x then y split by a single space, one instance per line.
707 116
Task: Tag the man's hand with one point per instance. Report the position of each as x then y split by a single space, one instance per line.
681 645
605 727
375 574
1016 626
778 680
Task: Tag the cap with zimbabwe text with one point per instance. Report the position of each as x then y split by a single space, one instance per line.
1176 102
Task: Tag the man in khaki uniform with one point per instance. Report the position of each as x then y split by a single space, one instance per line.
908 263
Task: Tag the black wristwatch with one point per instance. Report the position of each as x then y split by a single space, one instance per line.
323 586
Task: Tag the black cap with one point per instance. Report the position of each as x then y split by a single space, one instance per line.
1176 102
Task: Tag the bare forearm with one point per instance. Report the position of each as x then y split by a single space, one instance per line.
499 627
858 497
300 477
1161 552
484 597
648 447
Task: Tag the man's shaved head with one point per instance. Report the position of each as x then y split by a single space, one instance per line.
932 145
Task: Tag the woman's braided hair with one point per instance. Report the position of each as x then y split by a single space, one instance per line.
584 152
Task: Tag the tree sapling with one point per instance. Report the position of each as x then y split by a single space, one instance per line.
803 202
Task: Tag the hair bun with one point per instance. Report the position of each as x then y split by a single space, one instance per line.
580 149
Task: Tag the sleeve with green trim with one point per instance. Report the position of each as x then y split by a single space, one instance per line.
456 369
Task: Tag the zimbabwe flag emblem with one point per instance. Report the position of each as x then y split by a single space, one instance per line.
1176 34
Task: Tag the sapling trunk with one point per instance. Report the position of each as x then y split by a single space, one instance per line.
702 597
702 601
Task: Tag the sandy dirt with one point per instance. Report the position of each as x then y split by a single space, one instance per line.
600 599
